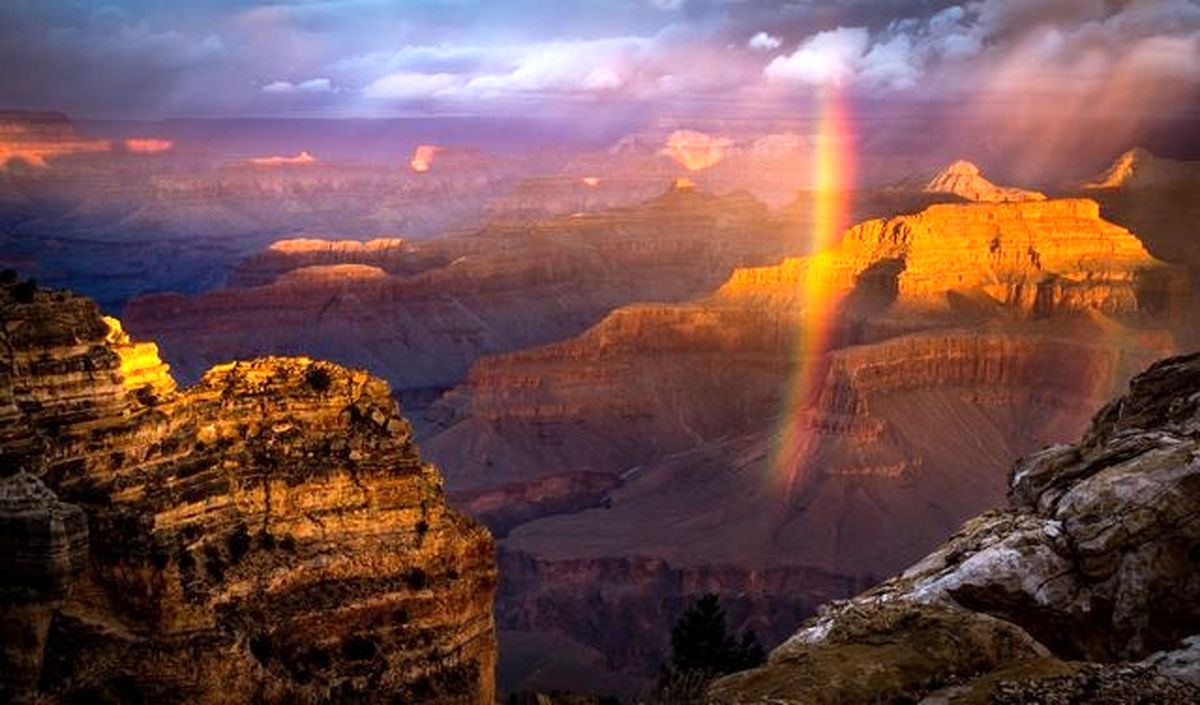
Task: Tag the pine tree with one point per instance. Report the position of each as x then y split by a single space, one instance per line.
702 649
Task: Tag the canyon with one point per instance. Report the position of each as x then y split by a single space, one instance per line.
420 313
647 388
114 221
115 210
1006 324
637 461
269 534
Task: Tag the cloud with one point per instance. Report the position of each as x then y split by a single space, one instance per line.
139 59
565 68
571 66
313 85
1009 46
831 57
764 42
890 63
411 86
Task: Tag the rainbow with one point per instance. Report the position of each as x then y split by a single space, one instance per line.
832 177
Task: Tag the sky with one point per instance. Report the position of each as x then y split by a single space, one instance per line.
148 59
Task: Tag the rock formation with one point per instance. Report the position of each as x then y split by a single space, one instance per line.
393 255
1037 258
267 535
1093 560
33 139
962 178
1007 324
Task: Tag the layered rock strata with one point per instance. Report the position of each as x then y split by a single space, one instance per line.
419 314
1093 557
268 535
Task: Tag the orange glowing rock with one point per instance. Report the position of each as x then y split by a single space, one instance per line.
592 181
34 138
140 363
422 158
301 159
696 150
683 184
148 145
316 274
308 244
1033 257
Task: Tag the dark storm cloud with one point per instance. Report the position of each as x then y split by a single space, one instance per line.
372 57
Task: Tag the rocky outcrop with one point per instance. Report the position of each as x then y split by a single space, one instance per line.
902 649
267 535
1093 557
962 178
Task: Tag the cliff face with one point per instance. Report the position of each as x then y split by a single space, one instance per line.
679 406
267 535
1092 560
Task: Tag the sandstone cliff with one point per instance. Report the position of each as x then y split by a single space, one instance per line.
267 535
1092 560
1038 258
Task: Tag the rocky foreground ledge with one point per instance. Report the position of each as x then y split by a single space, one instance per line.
1085 589
269 535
